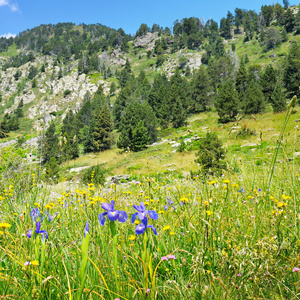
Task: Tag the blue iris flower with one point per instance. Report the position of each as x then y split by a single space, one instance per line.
140 229
111 213
142 215
86 229
35 214
38 230
170 202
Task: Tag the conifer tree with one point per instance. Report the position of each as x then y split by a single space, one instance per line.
201 91
102 134
50 144
241 80
178 114
291 72
140 137
88 142
227 103
254 100
52 170
268 82
125 74
19 111
278 99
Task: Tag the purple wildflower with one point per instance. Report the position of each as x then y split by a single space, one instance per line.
142 227
86 229
38 230
111 213
170 202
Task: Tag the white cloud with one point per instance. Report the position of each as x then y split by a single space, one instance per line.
3 3
8 35
13 6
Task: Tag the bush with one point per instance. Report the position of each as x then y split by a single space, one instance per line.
94 174
211 154
66 93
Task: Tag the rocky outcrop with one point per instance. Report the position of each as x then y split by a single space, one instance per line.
145 40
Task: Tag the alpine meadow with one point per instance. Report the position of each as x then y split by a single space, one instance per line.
160 165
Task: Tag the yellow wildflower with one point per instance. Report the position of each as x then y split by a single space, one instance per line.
4 225
166 228
209 213
132 237
34 263
226 181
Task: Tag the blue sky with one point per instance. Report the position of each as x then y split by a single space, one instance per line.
19 15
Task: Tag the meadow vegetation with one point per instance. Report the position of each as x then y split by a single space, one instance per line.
161 235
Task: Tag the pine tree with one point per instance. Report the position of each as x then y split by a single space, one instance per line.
278 99
241 80
52 170
178 114
254 100
201 91
50 144
140 137
19 111
88 141
134 113
102 134
268 82
211 154
227 103
291 72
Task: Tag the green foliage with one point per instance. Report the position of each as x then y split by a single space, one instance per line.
141 116
140 137
227 104
32 72
182 61
268 82
270 38
211 154
52 170
94 174
66 93
49 144
201 90
254 100
278 99
102 137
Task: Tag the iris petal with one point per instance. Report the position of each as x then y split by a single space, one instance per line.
142 205
37 227
153 215
141 215
140 228
101 218
138 208
106 206
113 215
153 228
29 233
122 217
133 217
44 232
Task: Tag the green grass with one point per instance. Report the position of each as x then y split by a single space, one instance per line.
11 51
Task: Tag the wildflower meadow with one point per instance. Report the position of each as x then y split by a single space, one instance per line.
160 236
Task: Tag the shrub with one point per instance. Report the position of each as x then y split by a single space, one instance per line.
211 154
94 174
66 93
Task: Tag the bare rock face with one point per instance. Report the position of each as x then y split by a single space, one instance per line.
145 40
